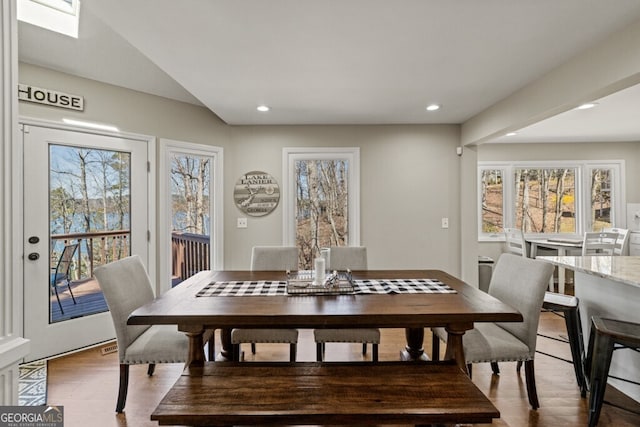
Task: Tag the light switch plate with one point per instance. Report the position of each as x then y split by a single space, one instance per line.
445 222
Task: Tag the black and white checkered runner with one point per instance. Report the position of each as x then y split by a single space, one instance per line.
383 286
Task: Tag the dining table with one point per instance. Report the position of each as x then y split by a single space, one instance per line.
384 299
563 246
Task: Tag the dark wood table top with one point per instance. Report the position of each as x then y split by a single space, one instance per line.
180 306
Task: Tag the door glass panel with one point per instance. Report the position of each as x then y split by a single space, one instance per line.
89 212
322 211
190 213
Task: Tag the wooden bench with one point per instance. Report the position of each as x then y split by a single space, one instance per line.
324 393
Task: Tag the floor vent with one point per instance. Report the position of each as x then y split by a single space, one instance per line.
111 348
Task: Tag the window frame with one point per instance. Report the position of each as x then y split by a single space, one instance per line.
292 154
583 170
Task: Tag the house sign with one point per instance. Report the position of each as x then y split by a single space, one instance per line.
50 97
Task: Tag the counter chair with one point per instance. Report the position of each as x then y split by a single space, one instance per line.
60 274
606 336
515 242
567 306
599 243
622 242
269 258
344 258
126 286
521 283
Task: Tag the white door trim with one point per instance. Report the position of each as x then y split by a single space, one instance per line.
168 146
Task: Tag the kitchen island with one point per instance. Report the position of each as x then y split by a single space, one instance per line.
608 286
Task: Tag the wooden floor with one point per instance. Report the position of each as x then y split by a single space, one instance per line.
86 383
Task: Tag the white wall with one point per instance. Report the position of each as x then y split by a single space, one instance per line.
410 175
409 181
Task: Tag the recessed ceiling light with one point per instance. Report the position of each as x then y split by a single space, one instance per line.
586 106
511 134
263 108
433 107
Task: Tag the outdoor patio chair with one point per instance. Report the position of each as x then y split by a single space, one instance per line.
60 273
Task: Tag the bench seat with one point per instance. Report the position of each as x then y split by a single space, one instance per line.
228 393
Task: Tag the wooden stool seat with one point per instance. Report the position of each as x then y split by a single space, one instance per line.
606 335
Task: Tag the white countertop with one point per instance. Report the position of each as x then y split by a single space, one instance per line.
623 269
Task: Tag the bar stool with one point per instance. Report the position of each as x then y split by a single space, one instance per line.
568 306
606 336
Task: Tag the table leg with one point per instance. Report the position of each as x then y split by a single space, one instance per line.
455 349
414 349
561 271
533 254
195 357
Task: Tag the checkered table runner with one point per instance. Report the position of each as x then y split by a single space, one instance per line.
384 286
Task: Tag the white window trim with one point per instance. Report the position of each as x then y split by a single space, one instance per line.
582 183
169 147
289 157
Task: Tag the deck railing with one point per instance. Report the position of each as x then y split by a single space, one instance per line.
94 249
189 254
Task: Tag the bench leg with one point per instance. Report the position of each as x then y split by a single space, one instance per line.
319 352
374 356
435 347
293 348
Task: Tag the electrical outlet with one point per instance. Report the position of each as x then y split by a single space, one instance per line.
242 222
445 222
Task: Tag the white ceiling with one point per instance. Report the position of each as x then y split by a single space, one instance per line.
341 61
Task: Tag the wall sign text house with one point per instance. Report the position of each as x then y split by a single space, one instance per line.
50 97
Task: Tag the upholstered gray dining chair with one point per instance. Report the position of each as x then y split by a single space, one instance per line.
521 283
269 258
342 258
126 286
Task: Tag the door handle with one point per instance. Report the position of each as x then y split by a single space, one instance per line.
33 256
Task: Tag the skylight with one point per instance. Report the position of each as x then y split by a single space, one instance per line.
61 16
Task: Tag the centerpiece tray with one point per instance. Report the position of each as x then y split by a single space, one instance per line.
302 283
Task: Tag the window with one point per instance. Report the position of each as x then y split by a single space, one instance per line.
550 197
61 16
321 194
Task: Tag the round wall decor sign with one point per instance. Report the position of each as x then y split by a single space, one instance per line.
256 193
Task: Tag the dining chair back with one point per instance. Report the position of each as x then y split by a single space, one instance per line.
269 258
343 258
515 242
60 274
126 286
599 243
521 283
622 242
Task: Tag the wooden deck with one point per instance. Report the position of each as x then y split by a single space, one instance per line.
89 300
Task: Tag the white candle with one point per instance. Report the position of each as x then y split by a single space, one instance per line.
319 271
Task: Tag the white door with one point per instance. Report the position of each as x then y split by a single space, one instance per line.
87 191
